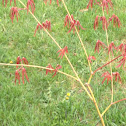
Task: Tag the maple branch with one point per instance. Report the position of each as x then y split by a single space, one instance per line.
106 64
60 48
113 104
41 67
106 109
89 67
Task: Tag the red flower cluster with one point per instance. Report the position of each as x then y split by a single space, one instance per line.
116 20
17 75
7 1
13 12
53 70
117 76
62 52
105 4
98 44
90 4
69 21
111 47
32 4
102 3
106 23
107 76
121 47
46 25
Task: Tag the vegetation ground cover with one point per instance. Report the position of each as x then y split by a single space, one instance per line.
42 101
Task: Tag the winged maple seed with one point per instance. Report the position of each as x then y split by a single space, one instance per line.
98 44
96 22
53 70
117 76
56 69
66 21
32 4
122 61
107 76
105 4
17 75
45 1
24 73
14 2
25 60
5 2
18 61
62 52
70 21
120 47
13 12
50 67
104 22
79 26
111 47
90 4
116 20
91 58
46 25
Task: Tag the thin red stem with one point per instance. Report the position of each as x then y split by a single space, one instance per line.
106 64
119 101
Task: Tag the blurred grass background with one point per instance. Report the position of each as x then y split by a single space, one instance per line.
42 101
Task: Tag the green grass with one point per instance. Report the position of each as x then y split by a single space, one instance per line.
42 101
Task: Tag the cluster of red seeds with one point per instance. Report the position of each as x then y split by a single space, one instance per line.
17 72
106 23
71 22
102 3
46 25
53 70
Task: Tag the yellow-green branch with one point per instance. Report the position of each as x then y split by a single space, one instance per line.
41 67
89 67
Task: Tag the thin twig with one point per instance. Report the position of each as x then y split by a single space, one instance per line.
41 67
106 64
